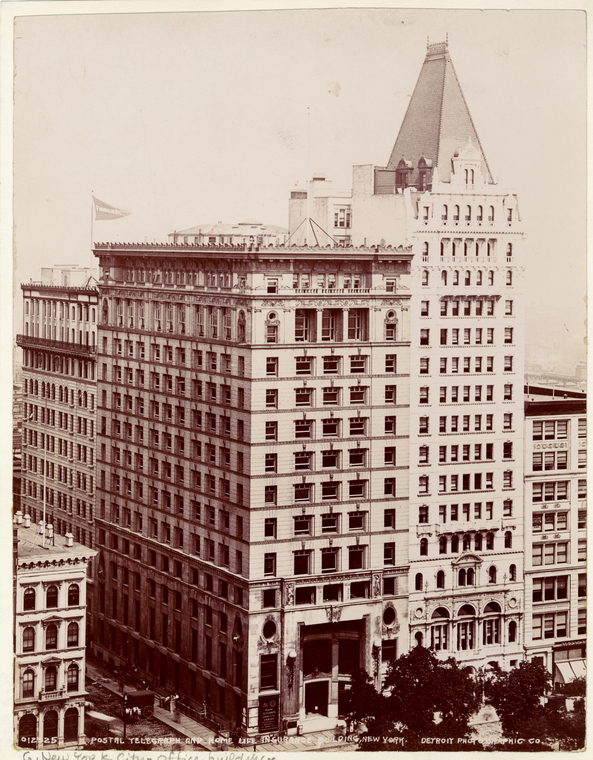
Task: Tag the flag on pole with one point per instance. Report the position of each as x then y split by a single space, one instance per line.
104 211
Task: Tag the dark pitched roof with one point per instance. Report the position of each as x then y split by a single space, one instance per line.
437 122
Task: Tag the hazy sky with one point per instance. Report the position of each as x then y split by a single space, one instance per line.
188 118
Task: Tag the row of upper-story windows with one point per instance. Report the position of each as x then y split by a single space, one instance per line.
463 307
557 587
454 277
332 490
60 333
466 394
452 424
49 308
330 522
63 420
454 395
51 597
458 247
451 364
331 459
453 513
51 637
62 365
465 482
556 430
557 552
334 365
451 336
59 393
50 676
462 453
556 460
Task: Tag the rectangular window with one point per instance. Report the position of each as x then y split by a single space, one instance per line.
303 460
390 394
304 365
303 396
303 492
303 428
391 363
272 366
270 563
302 562
330 428
268 672
390 425
271 398
358 394
331 365
357 364
389 455
424 366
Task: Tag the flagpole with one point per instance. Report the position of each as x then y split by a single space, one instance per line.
92 215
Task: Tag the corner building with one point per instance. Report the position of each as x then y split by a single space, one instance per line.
252 466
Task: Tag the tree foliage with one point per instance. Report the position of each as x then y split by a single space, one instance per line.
423 699
516 697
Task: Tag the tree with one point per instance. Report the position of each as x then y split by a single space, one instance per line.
423 698
516 696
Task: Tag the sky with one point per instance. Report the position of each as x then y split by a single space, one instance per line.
190 118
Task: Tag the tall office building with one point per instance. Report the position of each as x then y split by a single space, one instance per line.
59 395
466 370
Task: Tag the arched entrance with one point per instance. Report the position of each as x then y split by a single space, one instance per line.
50 727
71 725
28 731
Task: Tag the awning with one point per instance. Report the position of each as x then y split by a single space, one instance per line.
571 669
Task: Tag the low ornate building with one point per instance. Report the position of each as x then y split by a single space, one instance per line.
50 637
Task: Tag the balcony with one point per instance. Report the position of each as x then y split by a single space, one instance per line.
46 696
28 341
331 291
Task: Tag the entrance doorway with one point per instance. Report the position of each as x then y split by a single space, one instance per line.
316 697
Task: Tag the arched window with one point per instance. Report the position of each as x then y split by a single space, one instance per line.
28 730
509 277
29 639
425 249
509 249
489 541
445 213
479 277
491 214
513 573
51 597
512 632
443 545
444 277
418 583
73 595
467 542
455 544
478 542
50 728
490 278
468 278
508 540
419 637
492 574
456 213
72 677
73 634
456 277
51 678
441 579
28 683
423 547
471 577
442 247
51 637
71 725
479 214
461 577
468 212
29 599
425 277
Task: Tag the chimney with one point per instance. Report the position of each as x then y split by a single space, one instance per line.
69 539
19 517
27 521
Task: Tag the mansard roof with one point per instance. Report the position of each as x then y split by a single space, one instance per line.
437 123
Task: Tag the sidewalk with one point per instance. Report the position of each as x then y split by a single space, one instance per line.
181 723
207 739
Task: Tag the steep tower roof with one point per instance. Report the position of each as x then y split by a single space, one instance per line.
437 122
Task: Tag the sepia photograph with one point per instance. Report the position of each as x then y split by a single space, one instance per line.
294 327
